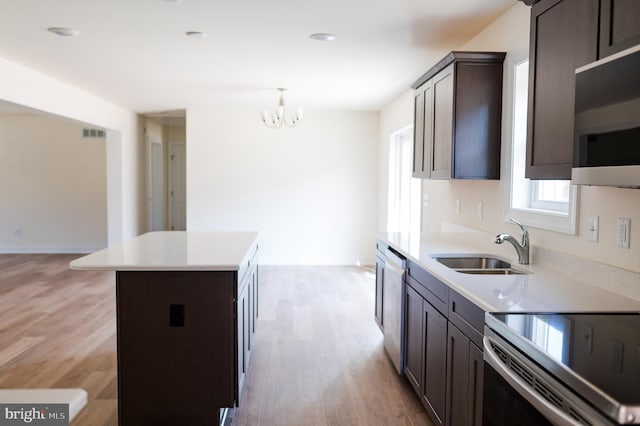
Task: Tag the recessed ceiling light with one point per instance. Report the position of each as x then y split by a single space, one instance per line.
64 32
172 1
196 34
323 37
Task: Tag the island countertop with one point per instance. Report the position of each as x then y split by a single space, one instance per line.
174 251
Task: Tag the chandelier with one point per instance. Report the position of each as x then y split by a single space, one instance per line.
275 119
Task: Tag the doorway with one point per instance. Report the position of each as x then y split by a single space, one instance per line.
177 186
403 213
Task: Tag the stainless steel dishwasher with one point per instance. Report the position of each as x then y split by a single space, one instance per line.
392 294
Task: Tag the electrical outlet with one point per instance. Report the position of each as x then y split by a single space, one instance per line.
17 231
480 210
623 231
426 202
592 233
458 207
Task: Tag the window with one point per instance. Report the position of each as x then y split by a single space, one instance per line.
404 191
546 204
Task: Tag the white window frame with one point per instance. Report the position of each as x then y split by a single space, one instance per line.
394 222
541 217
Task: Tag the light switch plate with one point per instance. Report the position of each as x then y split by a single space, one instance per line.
623 231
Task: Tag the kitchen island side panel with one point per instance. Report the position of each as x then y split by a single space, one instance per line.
175 346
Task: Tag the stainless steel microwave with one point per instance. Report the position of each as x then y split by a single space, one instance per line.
607 122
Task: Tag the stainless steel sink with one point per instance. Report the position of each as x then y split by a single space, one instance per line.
501 271
480 265
473 262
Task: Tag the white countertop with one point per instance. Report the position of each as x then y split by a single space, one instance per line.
540 290
174 250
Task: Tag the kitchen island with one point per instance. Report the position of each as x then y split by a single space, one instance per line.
186 309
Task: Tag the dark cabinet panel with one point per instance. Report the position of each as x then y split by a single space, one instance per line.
619 25
476 378
418 135
457 115
478 103
379 291
443 128
457 377
243 335
564 36
178 319
466 316
414 341
435 363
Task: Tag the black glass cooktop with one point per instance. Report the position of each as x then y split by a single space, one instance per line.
601 348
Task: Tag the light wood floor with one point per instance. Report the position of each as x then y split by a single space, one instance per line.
317 357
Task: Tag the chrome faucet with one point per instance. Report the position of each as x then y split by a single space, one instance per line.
522 246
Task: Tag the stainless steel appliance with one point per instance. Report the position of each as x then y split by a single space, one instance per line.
607 122
564 369
392 293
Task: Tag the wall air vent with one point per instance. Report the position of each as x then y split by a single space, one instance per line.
93 133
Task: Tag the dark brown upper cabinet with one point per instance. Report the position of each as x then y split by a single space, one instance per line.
564 36
619 25
457 117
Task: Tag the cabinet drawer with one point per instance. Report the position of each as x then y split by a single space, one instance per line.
381 248
430 288
466 316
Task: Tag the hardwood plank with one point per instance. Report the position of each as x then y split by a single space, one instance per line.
58 330
317 357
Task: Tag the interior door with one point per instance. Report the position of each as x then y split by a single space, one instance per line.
156 187
177 186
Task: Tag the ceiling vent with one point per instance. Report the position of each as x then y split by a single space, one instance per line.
93 133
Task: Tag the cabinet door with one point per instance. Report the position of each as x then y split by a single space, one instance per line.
254 277
564 36
435 363
458 377
442 123
418 134
379 284
619 28
414 341
243 324
476 382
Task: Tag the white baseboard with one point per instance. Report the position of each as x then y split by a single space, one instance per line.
35 248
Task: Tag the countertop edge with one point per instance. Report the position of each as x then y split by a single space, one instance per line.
542 298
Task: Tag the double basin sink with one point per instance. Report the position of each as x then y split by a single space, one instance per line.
480 265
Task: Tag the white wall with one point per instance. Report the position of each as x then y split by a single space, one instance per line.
125 154
310 190
54 186
510 33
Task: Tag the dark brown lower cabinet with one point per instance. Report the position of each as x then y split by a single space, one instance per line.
443 363
464 376
435 362
414 341
425 353
246 314
243 332
184 341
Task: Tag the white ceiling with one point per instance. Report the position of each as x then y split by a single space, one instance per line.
135 52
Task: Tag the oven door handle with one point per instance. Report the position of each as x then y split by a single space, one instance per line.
551 412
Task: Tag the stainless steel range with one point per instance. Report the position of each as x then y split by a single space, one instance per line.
565 369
